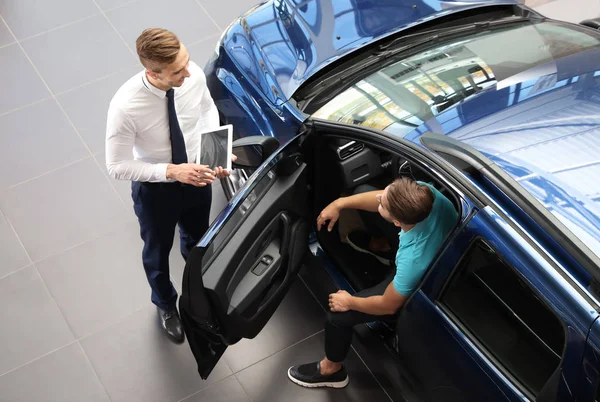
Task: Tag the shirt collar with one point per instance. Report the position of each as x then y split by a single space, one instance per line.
408 237
413 233
156 91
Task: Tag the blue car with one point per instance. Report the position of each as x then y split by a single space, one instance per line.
492 103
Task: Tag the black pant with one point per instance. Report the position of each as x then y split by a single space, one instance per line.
159 208
338 329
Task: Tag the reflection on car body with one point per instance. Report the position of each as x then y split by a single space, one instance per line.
490 102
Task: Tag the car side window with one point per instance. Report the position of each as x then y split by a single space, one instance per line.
491 302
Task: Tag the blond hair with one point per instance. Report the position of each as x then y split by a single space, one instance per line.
157 48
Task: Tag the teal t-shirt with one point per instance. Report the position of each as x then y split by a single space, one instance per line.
420 244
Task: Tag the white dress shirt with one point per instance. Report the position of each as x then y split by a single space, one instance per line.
138 142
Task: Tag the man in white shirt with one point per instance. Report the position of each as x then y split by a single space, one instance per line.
151 139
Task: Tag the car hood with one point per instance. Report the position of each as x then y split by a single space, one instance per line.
543 128
281 43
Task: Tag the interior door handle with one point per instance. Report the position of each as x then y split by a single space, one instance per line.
264 243
282 231
285 223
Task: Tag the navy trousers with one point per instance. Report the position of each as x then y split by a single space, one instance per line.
159 208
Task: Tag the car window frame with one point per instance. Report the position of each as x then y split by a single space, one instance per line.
468 334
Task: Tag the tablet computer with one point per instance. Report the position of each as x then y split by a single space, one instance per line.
214 147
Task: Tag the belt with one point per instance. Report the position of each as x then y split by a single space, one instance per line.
162 184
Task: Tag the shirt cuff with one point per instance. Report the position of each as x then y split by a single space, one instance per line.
160 171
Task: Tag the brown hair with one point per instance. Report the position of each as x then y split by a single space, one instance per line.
157 48
409 202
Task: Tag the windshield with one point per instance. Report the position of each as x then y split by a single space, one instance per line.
404 91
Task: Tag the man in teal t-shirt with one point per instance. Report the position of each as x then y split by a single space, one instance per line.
425 217
419 245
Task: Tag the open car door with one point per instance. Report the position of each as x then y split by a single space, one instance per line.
237 276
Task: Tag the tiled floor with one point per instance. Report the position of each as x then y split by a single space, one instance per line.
77 322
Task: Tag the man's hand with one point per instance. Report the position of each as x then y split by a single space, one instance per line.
340 302
191 173
220 172
331 213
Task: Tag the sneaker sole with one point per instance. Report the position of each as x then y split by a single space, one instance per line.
362 250
339 384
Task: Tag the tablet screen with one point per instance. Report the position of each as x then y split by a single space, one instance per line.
215 148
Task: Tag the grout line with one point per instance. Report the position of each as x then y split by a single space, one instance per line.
33 263
279 351
45 287
94 370
56 28
209 16
26 106
49 90
96 79
18 239
115 28
38 358
96 237
65 112
78 134
123 4
83 338
205 39
15 271
242 387
20 243
110 183
207 387
55 302
373 375
311 292
48 172
90 153
8 44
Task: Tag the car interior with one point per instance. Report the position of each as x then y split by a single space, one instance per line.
350 164
245 288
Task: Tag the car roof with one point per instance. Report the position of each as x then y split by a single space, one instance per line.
544 131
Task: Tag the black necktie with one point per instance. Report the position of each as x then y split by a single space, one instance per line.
177 143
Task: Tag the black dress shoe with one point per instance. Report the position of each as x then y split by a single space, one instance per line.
172 325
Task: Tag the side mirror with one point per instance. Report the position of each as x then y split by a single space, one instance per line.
252 151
